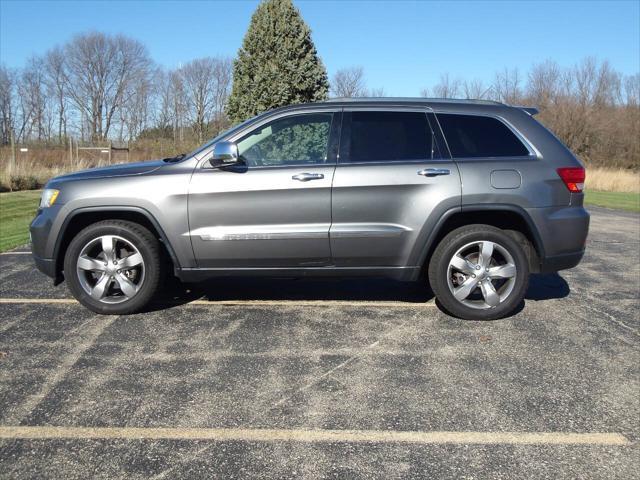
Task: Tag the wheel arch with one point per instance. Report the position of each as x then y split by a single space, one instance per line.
513 219
85 216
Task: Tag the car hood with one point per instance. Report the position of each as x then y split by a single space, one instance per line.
124 169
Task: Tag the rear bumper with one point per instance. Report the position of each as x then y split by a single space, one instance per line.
560 262
562 236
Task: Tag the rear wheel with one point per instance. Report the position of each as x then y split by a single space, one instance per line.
113 267
478 272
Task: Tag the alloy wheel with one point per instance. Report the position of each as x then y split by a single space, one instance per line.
110 269
481 274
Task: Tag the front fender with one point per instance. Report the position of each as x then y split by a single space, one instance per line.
178 257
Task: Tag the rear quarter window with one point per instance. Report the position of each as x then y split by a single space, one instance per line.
472 136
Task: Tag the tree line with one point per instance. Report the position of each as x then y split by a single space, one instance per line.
591 107
99 86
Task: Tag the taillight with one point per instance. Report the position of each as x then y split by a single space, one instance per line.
573 178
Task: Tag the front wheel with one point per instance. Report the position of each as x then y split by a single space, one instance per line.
113 267
478 272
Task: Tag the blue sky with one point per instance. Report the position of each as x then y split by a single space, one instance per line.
402 45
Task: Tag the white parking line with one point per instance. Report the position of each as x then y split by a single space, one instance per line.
15 253
313 436
284 303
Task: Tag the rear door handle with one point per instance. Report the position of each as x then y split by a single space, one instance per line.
434 172
305 177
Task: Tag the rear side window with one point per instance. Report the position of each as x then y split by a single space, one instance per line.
386 136
471 136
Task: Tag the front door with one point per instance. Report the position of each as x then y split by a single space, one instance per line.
275 209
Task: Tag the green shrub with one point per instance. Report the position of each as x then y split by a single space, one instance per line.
24 182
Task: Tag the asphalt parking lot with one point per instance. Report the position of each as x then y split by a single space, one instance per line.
288 378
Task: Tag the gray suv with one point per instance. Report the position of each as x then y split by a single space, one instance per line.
474 194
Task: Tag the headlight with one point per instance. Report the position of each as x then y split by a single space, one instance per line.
49 196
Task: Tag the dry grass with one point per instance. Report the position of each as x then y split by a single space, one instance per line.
42 164
613 180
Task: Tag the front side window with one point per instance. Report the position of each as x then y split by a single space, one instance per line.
473 136
386 136
293 140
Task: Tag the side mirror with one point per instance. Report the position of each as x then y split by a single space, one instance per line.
225 154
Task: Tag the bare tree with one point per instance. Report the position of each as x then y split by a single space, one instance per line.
163 98
447 87
136 108
57 87
376 93
99 70
632 90
544 83
179 105
32 102
7 95
206 83
475 89
349 82
506 86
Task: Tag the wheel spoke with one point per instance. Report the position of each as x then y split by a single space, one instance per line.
126 285
503 271
489 293
100 287
131 261
92 264
486 252
462 264
464 290
108 247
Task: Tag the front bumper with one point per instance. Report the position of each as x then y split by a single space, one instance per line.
42 245
45 265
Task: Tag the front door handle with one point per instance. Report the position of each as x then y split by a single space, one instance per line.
305 177
434 172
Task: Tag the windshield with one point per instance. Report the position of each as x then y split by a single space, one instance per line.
206 145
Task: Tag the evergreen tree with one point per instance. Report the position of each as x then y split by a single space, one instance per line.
277 64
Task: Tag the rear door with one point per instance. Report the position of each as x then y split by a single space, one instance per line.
275 209
390 186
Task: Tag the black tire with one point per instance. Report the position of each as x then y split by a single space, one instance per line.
439 273
142 239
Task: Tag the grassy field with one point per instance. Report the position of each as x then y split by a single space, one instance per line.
16 212
18 208
620 200
613 180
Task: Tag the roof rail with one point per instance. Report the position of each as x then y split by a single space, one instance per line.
412 99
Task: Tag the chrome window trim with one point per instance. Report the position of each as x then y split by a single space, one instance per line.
401 162
204 156
534 153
